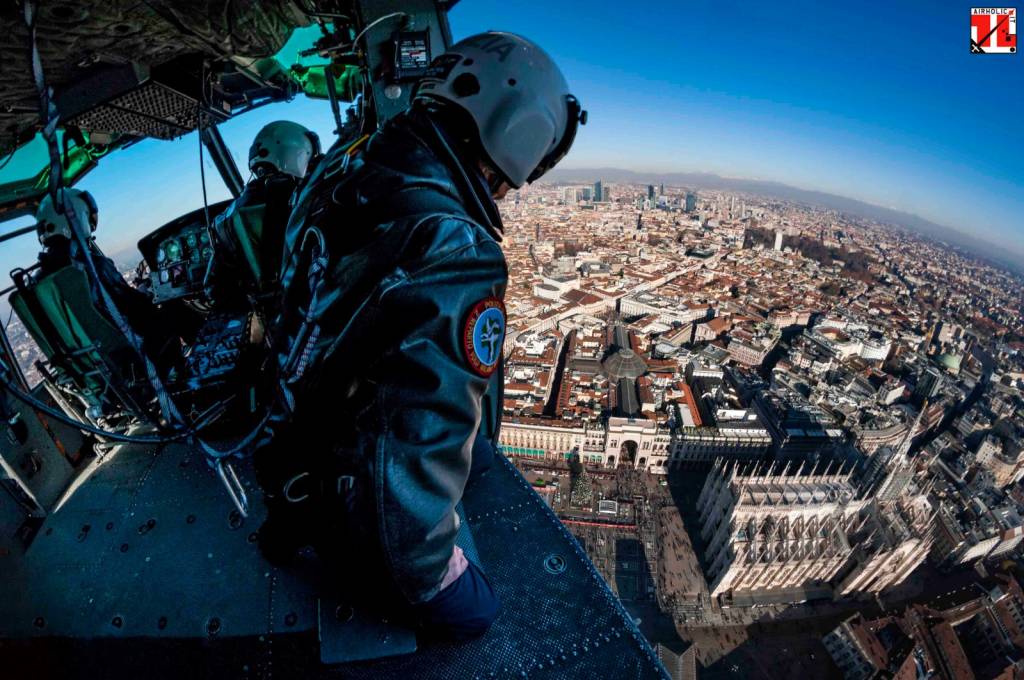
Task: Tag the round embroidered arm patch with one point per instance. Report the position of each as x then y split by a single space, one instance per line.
483 335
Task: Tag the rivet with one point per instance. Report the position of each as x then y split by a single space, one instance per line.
124 547
110 525
39 622
191 519
290 619
343 613
117 622
554 564
235 519
253 537
162 623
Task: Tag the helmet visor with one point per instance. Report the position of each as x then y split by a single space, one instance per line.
575 118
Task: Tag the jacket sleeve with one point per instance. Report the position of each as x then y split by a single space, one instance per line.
428 396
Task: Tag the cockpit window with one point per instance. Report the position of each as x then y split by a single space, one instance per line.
137 190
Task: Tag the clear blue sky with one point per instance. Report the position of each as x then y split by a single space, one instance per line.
874 100
865 100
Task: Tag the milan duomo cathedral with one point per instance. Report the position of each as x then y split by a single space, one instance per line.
807 531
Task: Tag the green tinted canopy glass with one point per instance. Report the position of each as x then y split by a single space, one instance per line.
26 173
310 70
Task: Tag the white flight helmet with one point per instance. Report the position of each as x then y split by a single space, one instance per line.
283 146
517 96
52 222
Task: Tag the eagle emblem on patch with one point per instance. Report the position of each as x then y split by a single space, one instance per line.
483 335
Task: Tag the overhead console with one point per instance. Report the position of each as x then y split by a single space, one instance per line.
179 254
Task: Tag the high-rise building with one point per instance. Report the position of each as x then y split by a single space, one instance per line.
650 192
928 384
691 201
661 191
778 240
606 195
597 191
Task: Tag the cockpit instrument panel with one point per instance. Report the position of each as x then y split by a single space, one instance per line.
179 254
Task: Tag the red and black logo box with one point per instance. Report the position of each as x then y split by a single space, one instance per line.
993 30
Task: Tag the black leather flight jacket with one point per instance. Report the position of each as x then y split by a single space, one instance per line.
387 393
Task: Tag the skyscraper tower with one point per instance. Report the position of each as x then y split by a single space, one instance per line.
661 191
597 191
650 192
691 201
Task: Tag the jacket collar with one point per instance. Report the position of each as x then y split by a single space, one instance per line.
469 181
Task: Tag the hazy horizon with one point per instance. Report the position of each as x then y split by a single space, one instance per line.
993 249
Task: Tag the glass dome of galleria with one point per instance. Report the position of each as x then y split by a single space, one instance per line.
624 363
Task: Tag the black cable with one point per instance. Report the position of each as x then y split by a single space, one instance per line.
205 420
199 127
85 427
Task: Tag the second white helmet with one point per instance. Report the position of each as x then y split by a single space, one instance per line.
525 116
51 221
283 146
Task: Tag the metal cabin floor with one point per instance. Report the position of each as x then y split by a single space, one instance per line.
144 571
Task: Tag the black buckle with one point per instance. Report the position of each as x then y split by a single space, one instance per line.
341 486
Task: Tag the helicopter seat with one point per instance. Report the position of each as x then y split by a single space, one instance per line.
241 231
249 235
87 353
